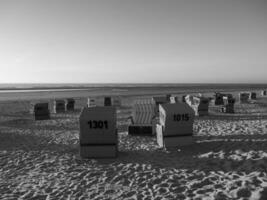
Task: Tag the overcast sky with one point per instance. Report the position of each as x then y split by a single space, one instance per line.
133 41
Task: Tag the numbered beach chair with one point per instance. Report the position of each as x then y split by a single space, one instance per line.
175 126
98 132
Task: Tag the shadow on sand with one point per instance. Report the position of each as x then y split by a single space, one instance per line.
185 158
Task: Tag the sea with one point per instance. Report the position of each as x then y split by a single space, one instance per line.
75 90
71 86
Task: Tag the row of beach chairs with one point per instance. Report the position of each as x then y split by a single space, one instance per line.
99 136
41 110
166 117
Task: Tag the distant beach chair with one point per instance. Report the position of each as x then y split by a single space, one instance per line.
91 102
116 101
228 106
59 106
252 96
218 98
70 104
41 111
199 104
183 98
173 99
157 100
203 106
244 97
107 101
189 99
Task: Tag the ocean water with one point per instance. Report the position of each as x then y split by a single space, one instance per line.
119 86
12 92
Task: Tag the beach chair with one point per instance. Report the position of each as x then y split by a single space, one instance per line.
41 111
157 100
199 104
189 100
107 101
173 99
98 132
244 97
203 106
143 119
116 101
175 126
59 106
252 96
218 98
183 98
70 104
91 102
228 106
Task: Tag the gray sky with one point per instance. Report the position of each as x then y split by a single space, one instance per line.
182 41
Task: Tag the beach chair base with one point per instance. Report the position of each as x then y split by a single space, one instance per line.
202 113
42 117
173 140
98 151
140 130
226 109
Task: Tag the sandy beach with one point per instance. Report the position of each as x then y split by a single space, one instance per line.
40 159
133 100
